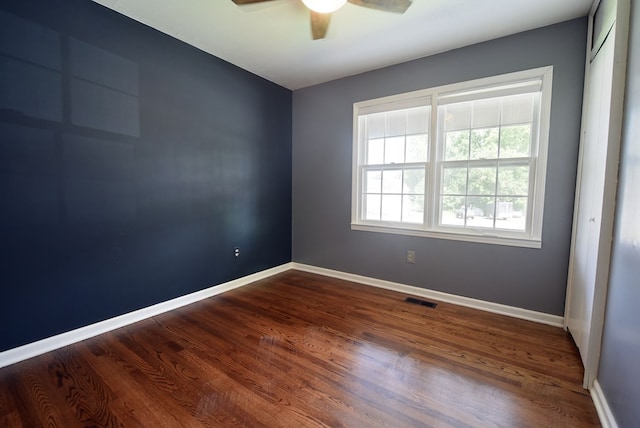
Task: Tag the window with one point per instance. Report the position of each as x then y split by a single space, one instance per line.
464 161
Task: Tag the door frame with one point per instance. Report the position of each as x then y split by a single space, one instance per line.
619 30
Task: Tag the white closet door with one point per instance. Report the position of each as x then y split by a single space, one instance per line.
597 183
591 198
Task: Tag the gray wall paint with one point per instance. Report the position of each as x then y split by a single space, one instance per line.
322 151
619 371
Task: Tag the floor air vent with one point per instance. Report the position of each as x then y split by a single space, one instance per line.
420 302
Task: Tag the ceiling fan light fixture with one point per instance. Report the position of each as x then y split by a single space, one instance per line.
324 6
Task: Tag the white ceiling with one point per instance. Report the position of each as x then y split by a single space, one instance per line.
273 39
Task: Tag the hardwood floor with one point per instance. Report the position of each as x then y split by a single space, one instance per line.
302 350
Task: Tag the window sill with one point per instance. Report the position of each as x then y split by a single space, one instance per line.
483 238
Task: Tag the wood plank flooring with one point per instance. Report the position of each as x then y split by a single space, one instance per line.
302 350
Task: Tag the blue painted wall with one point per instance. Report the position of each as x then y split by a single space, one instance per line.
527 278
131 165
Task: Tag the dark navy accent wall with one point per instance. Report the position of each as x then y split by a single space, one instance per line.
131 165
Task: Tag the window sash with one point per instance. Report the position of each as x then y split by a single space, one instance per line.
537 81
496 195
402 192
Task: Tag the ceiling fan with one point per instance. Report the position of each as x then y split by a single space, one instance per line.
321 10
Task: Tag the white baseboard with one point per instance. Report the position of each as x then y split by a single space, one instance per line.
33 349
602 406
526 314
30 350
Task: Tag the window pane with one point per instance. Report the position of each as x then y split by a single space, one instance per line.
413 209
457 116
418 120
391 207
457 145
511 213
486 113
482 181
517 109
452 210
414 181
484 143
396 123
454 181
371 207
503 209
392 181
513 180
477 211
417 148
375 152
373 180
375 125
515 141
394 150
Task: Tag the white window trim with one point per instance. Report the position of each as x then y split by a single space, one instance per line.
491 236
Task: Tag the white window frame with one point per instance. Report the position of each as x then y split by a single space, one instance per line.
507 84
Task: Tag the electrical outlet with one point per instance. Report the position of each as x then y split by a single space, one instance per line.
411 256
236 252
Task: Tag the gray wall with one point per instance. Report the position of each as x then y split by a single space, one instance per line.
619 373
322 151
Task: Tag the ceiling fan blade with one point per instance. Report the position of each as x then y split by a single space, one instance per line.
396 6
240 2
319 24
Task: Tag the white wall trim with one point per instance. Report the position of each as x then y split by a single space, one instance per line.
48 344
52 343
526 314
33 349
602 406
